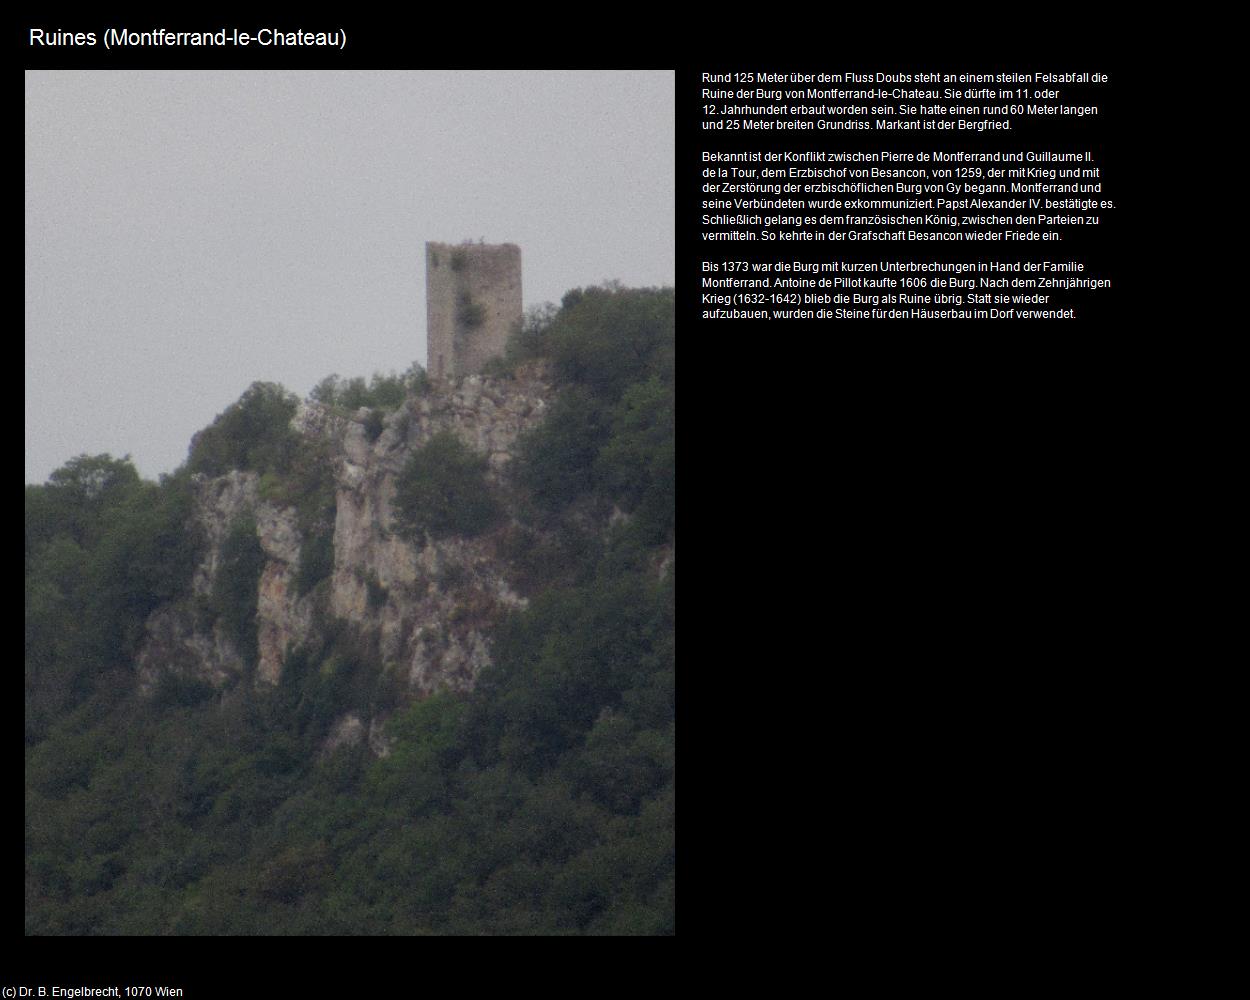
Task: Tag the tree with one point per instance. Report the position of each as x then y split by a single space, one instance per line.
557 458
253 434
237 583
607 338
637 466
443 490
77 498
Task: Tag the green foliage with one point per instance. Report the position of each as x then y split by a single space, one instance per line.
253 434
621 764
77 498
316 562
443 490
541 560
385 392
374 425
610 434
470 314
55 770
529 341
322 682
525 343
605 339
143 560
572 654
377 593
104 549
497 367
557 458
236 586
419 380
309 487
637 465
178 690
272 488
452 576
296 873
542 803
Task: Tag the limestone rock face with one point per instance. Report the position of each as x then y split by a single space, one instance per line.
346 731
219 503
176 644
426 607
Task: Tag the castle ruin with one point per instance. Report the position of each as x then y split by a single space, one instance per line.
472 304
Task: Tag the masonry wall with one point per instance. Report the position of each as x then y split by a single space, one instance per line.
473 302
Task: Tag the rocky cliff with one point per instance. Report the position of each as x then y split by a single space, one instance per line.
424 607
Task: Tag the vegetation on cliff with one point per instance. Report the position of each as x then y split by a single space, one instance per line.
541 803
443 491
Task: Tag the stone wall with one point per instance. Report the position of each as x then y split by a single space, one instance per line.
473 303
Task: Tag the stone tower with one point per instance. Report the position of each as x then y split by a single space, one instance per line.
472 304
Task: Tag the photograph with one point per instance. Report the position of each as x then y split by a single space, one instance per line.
349 502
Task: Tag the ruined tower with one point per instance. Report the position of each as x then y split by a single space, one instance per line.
472 304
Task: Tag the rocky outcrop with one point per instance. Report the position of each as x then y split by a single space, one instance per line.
350 729
426 607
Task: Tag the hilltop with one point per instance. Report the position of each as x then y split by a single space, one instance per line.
396 658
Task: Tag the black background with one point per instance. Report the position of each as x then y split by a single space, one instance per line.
892 546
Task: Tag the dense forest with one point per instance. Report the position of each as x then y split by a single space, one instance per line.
541 802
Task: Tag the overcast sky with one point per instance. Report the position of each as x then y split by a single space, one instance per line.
190 233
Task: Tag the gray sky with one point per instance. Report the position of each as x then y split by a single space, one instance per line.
190 233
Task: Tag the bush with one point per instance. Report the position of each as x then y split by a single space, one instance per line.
253 434
339 673
603 339
610 432
178 690
637 467
316 562
541 804
469 313
419 380
235 588
443 490
76 499
377 593
144 559
557 458
497 367
384 392
310 487
374 425
539 561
